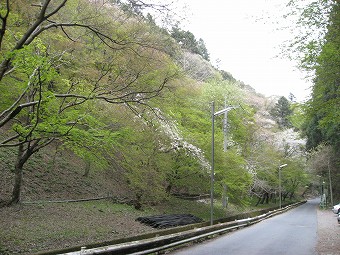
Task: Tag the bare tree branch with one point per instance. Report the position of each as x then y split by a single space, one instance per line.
16 111
3 19
5 142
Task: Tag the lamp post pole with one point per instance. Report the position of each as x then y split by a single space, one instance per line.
330 182
280 200
212 163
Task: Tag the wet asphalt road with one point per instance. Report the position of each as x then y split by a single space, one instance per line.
293 232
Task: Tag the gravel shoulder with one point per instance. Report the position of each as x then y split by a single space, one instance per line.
328 233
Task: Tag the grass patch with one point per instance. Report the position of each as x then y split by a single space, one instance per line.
43 226
107 206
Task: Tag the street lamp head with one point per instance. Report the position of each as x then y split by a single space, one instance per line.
224 110
283 165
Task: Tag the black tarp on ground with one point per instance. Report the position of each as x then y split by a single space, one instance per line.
169 220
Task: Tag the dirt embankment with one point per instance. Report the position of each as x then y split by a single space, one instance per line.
27 229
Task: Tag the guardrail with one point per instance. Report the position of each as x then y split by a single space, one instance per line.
159 243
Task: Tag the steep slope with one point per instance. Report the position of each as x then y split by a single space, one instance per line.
55 174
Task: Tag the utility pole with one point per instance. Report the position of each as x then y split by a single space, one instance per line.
225 127
225 124
213 115
225 147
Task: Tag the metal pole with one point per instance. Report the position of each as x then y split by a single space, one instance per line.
280 186
212 164
330 182
280 167
225 123
224 198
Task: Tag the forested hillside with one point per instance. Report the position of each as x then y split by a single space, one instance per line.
96 83
100 99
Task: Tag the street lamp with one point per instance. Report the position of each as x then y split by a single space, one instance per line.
280 167
213 114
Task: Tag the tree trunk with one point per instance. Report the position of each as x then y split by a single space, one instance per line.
138 202
18 174
272 197
258 201
168 188
267 198
263 198
24 153
87 168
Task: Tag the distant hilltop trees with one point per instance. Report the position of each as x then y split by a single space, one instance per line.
188 41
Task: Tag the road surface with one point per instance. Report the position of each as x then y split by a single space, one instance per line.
293 232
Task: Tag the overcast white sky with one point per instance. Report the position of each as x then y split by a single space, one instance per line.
246 47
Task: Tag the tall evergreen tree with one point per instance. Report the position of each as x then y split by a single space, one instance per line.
281 112
202 49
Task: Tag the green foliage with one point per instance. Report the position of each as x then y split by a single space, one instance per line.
311 20
294 176
190 106
322 124
146 164
298 115
185 173
317 50
58 83
227 76
231 171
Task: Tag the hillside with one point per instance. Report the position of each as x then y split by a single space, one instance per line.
58 175
98 102
131 99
